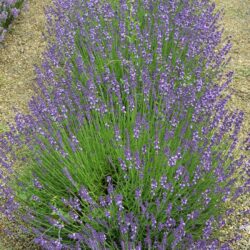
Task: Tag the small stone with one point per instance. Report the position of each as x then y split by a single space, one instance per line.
245 228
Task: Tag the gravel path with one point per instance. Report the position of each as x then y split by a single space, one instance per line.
21 49
237 24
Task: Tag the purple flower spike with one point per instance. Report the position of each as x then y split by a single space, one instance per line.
118 201
85 195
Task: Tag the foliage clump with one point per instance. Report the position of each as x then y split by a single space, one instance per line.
129 144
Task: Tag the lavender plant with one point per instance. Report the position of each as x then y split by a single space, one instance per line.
9 10
129 144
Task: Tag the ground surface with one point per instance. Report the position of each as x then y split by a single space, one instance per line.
23 48
237 24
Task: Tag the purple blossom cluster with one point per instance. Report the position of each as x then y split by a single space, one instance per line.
9 10
129 141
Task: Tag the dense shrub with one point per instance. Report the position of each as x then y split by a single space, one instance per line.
129 144
9 9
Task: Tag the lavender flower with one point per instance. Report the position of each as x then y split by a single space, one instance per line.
9 10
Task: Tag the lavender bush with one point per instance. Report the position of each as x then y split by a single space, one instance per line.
9 9
129 144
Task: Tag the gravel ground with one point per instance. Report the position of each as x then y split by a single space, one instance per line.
236 22
23 48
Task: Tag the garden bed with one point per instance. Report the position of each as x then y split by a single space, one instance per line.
10 79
